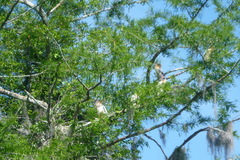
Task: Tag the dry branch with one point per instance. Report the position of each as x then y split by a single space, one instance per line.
29 98
157 144
22 76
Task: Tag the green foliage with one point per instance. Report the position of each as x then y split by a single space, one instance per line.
70 53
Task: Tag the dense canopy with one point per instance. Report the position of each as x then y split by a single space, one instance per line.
80 77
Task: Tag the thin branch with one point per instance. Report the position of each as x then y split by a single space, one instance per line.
174 70
157 144
192 136
103 10
93 87
29 99
37 101
22 76
54 8
236 120
198 11
8 15
66 62
222 78
223 13
22 14
177 74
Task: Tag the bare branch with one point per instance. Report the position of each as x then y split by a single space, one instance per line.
22 76
20 15
37 101
8 15
54 8
29 99
177 74
222 78
192 136
236 120
157 144
198 11
37 8
174 70
88 91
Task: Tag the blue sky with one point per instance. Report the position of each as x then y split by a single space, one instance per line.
197 147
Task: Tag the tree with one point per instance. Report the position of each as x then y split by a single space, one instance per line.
59 57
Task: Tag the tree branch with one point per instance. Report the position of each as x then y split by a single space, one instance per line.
22 76
37 8
54 8
22 14
193 135
157 144
29 98
174 70
177 74
8 15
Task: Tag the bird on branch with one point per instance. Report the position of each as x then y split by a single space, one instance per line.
160 75
101 109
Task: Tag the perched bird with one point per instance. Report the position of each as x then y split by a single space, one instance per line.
162 81
208 53
100 107
134 97
160 75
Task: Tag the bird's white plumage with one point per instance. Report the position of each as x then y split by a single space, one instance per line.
134 97
100 107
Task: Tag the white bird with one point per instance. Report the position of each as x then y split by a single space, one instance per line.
134 97
100 107
162 81
208 53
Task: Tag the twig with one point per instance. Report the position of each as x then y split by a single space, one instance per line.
157 144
